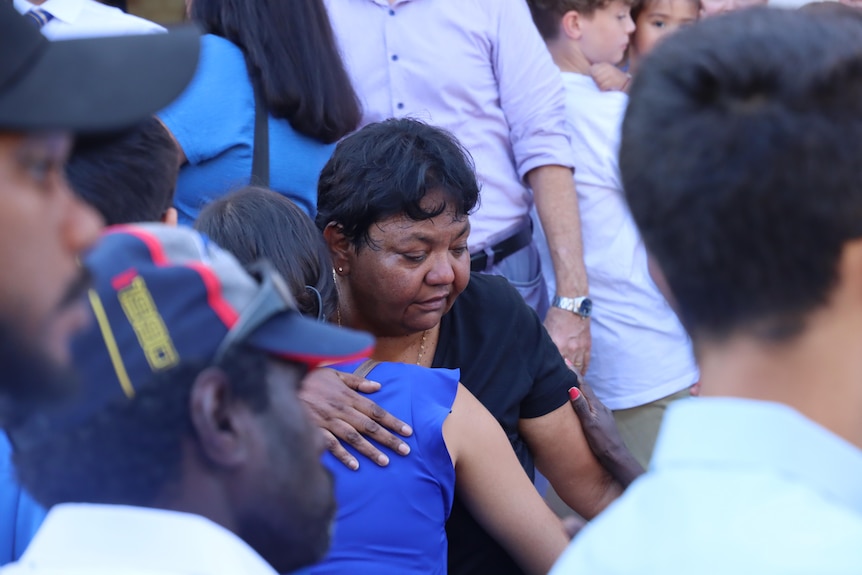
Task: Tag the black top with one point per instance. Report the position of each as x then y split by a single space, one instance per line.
509 362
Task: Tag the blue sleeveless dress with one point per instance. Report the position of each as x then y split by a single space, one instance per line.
391 520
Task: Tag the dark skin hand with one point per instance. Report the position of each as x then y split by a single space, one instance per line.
343 415
602 435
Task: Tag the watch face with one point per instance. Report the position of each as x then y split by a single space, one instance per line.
586 308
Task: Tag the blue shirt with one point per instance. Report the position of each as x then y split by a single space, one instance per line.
20 516
213 122
735 486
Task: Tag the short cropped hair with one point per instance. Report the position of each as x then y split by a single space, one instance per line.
548 13
386 169
255 223
129 452
129 177
740 163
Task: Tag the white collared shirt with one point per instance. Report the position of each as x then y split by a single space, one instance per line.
87 18
122 540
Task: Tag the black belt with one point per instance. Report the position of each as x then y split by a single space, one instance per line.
486 259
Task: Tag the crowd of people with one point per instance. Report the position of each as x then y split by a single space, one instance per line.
340 286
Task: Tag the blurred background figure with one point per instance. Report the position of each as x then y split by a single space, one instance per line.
270 82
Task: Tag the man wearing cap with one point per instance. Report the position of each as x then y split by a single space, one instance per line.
67 19
48 92
187 444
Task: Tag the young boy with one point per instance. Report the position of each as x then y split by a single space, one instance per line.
641 355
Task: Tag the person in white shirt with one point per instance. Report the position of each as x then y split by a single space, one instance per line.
187 405
66 19
742 173
642 357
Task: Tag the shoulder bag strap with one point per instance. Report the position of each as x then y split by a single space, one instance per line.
260 153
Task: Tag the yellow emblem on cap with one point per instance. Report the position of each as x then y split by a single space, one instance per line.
153 336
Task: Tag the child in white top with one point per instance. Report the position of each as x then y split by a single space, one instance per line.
641 355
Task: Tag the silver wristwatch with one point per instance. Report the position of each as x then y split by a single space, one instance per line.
582 306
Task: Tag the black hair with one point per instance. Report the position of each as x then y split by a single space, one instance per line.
292 57
740 163
128 177
256 223
130 451
388 168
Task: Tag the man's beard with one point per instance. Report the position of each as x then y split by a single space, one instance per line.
29 379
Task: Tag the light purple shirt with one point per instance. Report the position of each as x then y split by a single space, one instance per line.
477 68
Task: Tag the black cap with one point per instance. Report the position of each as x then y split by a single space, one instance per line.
88 85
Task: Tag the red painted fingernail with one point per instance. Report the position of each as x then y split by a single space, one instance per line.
574 393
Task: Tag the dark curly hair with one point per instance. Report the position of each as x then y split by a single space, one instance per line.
386 169
129 452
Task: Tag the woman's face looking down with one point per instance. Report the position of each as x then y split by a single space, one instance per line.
410 272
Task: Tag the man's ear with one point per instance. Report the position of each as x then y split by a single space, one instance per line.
340 248
571 25
221 424
170 217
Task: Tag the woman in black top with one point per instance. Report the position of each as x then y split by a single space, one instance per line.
393 204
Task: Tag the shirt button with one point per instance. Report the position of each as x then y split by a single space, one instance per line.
391 12
394 57
400 105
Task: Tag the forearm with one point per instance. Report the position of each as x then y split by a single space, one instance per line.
557 205
562 454
587 493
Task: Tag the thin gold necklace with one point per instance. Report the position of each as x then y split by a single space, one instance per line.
421 348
